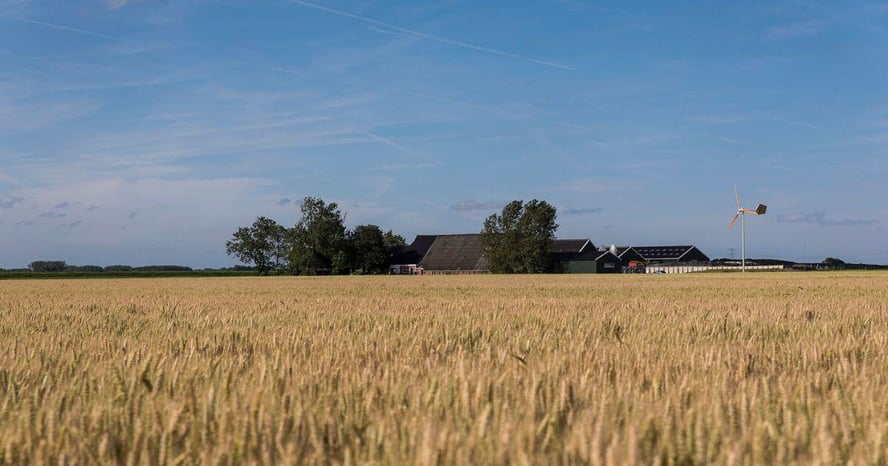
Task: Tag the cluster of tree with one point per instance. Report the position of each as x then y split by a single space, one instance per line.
833 262
47 266
148 268
62 266
319 244
517 239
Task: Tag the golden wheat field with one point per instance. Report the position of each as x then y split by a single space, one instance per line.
692 369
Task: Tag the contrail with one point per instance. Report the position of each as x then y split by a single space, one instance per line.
386 141
62 27
430 37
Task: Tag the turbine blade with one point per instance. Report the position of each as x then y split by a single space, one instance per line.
731 225
737 197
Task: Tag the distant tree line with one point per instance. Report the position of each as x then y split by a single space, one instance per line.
62 266
319 244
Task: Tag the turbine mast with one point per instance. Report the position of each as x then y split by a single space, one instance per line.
741 212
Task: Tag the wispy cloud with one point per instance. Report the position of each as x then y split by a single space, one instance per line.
716 119
730 140
52 215
61 27
507 111
386 141
795 30
118 4
29 115
580 211
10 202
470 205
284 201
73 224
800 123
585 185
8 179
820 218
430 37
13 7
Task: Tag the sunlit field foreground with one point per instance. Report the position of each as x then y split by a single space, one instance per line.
724 368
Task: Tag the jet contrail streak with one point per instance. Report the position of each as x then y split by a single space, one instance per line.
430 37
62 27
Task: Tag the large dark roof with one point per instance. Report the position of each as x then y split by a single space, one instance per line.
413 253
599 254
422 243
455 252
667 252
561 246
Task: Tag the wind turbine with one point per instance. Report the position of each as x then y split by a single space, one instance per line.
741 212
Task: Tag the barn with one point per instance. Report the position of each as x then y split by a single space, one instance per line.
592 261
404 260
629 257
670 254
580 256
454 254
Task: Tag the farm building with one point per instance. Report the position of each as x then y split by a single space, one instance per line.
454 254
580 256
629 257
569 246
404 260
463 253
591 261
636 258
670 254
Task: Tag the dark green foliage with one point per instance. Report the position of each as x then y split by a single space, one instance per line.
833 263
162 268
393 240
47 266
517 240
367 245
118 268
262 244
317 244
84 268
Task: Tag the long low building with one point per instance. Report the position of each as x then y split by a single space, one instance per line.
454 254
637 258
463 254
581 256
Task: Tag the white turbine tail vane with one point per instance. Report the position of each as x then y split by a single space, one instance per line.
741 212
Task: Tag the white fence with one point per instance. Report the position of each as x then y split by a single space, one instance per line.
705 268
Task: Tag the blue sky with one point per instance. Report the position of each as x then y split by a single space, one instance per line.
146 132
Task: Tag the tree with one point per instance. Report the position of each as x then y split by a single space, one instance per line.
517 240
47 266
367 246
261 244
317 244
833 263
118 268
392 240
